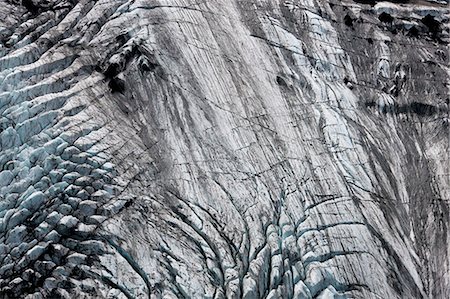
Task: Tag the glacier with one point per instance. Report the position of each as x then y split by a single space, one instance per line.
224 149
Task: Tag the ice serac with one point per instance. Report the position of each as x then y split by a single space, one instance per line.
224 149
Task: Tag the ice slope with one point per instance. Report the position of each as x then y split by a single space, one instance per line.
224 149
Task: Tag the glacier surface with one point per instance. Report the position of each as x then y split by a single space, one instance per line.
224 149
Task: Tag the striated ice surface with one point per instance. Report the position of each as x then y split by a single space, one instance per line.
224 149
